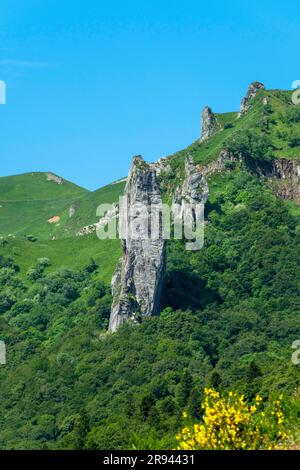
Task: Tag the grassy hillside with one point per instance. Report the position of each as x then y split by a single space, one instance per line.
29 201
36 186
86 209
68 253
279 119
229 315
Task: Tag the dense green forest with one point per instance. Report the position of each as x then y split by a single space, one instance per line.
228 321
229 312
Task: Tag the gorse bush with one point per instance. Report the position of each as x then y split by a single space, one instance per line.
230 423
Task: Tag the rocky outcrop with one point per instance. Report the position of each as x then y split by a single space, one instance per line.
188 206
72 210
194 189
219 164
137 282
209 124
284 176
253 89
86 230
111 214
55 178
162 166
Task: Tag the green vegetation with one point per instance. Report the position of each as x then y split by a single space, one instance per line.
36 186
277 120
29 201
229 315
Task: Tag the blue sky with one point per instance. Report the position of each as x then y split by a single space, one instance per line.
92 83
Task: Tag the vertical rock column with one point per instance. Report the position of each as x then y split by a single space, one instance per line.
137 282
208 124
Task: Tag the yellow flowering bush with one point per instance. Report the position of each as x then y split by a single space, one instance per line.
230 422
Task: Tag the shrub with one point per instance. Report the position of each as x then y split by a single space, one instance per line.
230 423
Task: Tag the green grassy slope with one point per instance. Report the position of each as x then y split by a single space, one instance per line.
280 127
28 201
36 186
70 253
86 209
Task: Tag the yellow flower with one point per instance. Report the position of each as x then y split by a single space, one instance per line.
230 423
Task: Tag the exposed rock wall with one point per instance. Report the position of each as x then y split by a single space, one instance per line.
209 124
219 164
251 93
284 176
55 178
111 214
137 282
194 188
188 206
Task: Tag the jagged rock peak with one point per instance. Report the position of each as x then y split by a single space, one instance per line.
209 123
253 89
137 282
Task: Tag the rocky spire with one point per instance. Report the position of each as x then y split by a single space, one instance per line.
209 123
194 188
137 282
251 93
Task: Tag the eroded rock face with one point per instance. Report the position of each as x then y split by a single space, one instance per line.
209 124
110 215
251 93
284 174
195 188
219 164
137 282
188 205
55 178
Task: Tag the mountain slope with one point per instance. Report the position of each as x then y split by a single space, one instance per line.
229 312
28 201
37 186
33 204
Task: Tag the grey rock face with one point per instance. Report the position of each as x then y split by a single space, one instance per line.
251 93
137 282
195 188
219 164
284 176
55 178
209 124
111 214
188 205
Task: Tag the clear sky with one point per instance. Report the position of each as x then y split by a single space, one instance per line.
92 83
